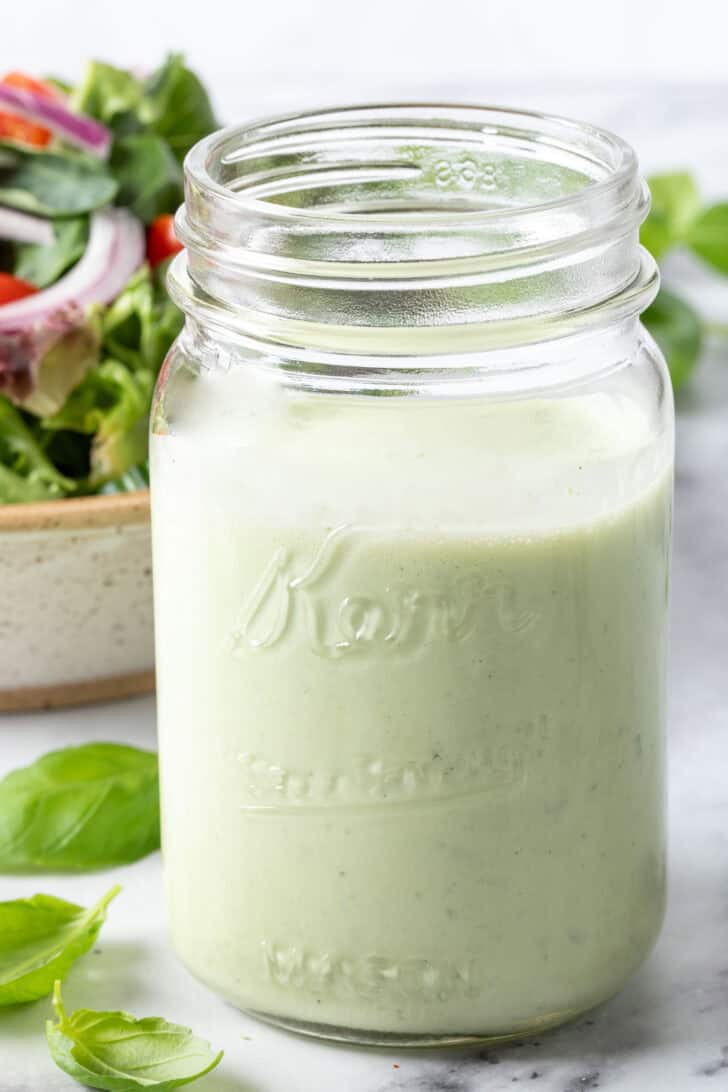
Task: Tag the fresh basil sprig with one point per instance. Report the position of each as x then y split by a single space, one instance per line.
674 204
79 809
708 236
678 218
118 1053
40 939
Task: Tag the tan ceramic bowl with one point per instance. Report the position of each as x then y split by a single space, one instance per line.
75 601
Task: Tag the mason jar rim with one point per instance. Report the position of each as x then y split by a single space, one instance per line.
319 226
198 160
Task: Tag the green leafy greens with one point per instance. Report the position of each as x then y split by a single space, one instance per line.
141 322
26 474
175 105
79 809
53 184
155 122
74 406
674 204
111 95
91 402
707 235
678 218
678 330
111 403
118 1053
40 939
43 265
149 176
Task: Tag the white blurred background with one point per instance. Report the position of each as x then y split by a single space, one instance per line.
656 71
290 52
603 60
300 40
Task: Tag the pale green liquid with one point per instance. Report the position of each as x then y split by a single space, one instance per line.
412 772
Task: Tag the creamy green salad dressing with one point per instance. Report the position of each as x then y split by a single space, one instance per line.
415 719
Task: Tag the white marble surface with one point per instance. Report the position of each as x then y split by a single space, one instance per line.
668 1030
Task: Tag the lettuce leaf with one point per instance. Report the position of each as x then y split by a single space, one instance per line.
70 453
26 474
130 482
141 324
111 404
111 95
111 401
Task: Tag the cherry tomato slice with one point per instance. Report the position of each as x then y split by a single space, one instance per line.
23 82
13 288
15 128
161 239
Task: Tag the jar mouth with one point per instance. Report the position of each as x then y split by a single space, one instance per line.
414 216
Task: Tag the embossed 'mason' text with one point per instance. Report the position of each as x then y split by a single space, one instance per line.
309 601
367 977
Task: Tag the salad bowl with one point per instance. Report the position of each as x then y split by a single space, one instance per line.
76 611
90 177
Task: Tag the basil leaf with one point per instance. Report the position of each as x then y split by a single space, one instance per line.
52 184
149 177
79 809
118 1053
40 939
43 265
708 236
176 106
675 204
678 330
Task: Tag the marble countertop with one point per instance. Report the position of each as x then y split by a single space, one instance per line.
668 1030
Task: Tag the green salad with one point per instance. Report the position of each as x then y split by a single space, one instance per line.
89 179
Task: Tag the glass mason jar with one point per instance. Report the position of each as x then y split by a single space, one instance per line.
412 478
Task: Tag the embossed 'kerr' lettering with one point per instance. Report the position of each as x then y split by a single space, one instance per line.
285 602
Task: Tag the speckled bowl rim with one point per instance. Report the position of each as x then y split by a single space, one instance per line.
114 510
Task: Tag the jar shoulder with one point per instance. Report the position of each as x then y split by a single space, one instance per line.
541 459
